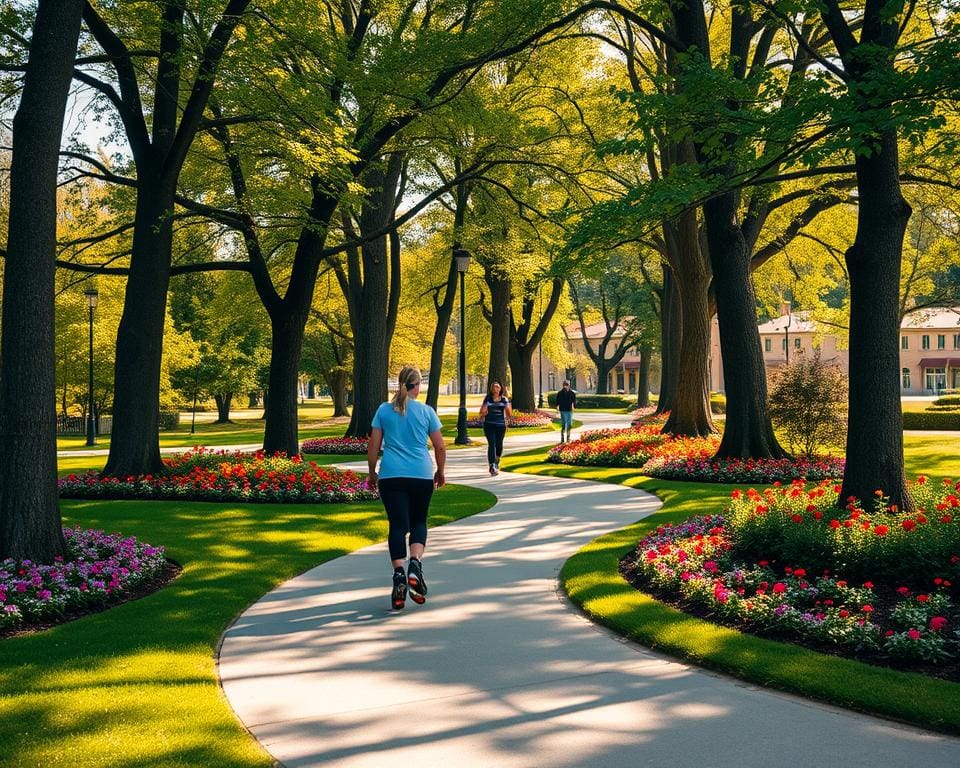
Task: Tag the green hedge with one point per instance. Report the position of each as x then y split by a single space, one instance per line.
595 401
948 400
931 420
718 403
169 420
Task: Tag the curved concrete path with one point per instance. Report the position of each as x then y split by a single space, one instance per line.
498 670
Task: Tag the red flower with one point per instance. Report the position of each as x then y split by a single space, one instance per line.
834 524
797 519
908 525
913 634
903 591
800 572
923 598
937 623
868 585
779 588
867 609
880 530
844 613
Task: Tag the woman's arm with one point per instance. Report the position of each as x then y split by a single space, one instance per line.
483 409
440 453
373 451
508 411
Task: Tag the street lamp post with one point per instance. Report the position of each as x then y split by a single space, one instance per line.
461 258
540 354
92 298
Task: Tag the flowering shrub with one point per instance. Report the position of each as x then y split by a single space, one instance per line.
98 569
519 419
335 445
786 562
745 470
204 475
631 447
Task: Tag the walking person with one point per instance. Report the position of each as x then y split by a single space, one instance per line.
495 411
566 402
406 479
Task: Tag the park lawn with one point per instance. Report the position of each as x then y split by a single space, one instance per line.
592 580
137 685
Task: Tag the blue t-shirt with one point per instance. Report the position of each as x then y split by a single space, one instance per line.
496 411
405 437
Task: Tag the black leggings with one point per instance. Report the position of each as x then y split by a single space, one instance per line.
407 500
494 434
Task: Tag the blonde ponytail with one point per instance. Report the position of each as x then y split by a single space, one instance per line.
408 379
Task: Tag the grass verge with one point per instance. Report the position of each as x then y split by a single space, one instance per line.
592 580
136 685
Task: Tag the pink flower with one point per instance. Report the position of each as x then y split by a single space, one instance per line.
913 634
937 623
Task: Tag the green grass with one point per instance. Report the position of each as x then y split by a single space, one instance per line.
137 685
592 580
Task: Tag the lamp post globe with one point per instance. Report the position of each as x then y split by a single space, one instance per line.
461 259
92 298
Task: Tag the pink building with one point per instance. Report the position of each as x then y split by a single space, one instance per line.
929 348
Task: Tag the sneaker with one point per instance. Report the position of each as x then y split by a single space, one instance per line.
493 470
398 597
418 586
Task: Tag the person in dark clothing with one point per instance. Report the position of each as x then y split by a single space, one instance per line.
566 402
495 411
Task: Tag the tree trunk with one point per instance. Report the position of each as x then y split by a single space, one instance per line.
338 391
523 396
748 432
690 409
670 338
280 408
500 296
643 385
253 399
135 439
875 423
30 522
444 313
603 376
223 407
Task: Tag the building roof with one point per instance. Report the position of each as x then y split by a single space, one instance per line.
594 330
799 322
946 318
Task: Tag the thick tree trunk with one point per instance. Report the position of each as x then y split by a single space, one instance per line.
280 408
253 399
603 376
500 295
670 339
748 432
223 407
444 313
338 391
690 409
30 523
523 395
643 383
875 423
135 439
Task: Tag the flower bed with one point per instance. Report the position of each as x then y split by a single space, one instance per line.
642 415
340 446
99 569
519 419
203 475
788 563
631 447
707 470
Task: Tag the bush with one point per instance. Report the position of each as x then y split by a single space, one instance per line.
808 404
595 401
169 420
931 420
948 400
718 403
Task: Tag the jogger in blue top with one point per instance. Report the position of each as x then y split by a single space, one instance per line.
406 479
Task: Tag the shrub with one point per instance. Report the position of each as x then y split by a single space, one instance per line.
595 401
718 403
931 420
707 470
339 446
519 419
168 420
808 403
947 400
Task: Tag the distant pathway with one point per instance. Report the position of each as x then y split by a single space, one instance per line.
497 670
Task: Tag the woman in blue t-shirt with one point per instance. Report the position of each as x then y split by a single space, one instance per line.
495 411
406 479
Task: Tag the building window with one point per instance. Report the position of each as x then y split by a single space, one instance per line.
936 379
941 341
904 342
633 381
552 380
906 377
956 341
767 345
796 343
925 341
783 344
620 382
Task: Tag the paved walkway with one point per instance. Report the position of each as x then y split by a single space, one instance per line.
498 670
